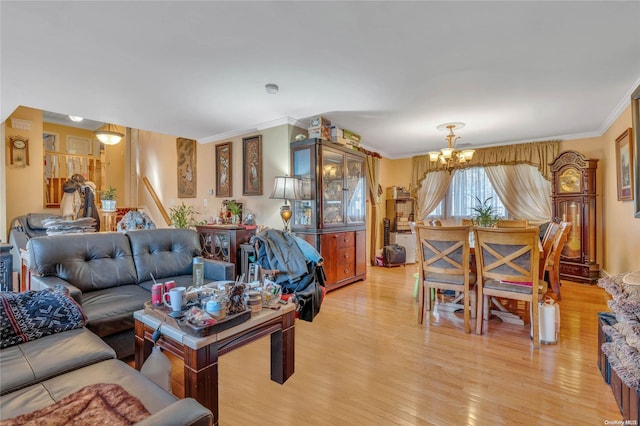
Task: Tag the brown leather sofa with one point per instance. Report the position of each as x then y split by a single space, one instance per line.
39 373
109 273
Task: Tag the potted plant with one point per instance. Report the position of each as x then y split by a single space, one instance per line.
485 213
183 216
235 210
108 199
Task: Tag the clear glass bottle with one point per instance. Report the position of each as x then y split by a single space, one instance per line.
198 272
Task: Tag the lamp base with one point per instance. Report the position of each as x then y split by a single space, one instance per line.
285 214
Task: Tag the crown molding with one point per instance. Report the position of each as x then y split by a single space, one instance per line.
619 109
291 121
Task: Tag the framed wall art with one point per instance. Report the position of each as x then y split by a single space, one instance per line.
635 137
252 165
186 168
224 182
624 165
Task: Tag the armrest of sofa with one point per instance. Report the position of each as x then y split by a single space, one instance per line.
185 412
218 270
41 283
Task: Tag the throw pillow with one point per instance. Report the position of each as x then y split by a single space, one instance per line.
35 314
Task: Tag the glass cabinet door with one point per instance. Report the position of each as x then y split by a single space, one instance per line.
304 212
333 187
355 183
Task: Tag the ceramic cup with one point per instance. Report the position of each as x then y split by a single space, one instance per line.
177 298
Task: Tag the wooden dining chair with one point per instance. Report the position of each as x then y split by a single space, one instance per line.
467 222
508 267
552 259
549 237
512 223
435 222
444 264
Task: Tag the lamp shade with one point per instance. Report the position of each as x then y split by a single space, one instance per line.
285 188
109 134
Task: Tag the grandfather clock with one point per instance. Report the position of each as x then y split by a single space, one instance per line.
574 200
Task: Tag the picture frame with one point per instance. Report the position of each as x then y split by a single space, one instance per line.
624 165
224 169
186 162
252 165
635 137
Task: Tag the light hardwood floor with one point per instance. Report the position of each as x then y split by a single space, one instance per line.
366 361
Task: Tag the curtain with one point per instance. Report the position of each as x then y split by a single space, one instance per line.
538 154
373 182
431 191
523 190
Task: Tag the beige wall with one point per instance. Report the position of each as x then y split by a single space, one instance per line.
621 231
24 184
158 158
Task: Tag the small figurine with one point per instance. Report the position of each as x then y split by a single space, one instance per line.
236 299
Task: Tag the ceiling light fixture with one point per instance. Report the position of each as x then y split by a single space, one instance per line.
75 118
449 157
109 134
271 88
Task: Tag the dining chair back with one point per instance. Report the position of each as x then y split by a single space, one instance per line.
549 237
444 264
552 260
467 222
512 223
508 267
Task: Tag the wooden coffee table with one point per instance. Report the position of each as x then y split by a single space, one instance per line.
200 354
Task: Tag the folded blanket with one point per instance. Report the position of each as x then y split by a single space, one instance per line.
100 404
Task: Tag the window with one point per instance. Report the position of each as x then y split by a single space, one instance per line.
465 186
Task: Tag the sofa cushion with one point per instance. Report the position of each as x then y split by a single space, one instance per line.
50 391
31 362
163 252
111 310
35 314
89 261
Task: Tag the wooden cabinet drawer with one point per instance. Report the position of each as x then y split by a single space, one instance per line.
345 240
345 263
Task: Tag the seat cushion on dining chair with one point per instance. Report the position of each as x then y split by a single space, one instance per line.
516 287
449 279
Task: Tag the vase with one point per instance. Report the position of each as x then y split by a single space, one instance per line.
108 205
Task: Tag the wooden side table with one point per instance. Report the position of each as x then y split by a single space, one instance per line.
222 242
108 220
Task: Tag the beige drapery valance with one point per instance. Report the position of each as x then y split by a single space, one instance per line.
537 154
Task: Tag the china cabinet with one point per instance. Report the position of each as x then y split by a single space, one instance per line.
574 200
331 211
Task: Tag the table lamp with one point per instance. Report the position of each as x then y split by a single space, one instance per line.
285 188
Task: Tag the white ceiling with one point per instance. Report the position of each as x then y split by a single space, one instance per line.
391 71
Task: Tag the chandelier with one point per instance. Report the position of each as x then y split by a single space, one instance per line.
109 134
449 157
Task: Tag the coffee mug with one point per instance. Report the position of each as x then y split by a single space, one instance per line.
177 298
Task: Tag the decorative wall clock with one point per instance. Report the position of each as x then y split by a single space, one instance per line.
19 151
